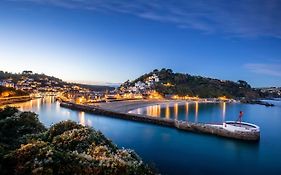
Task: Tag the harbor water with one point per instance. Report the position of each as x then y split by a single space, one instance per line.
173 151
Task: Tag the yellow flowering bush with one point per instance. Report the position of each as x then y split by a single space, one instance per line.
66 148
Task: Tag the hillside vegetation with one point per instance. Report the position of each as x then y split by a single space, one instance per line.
45 79
37 77
185 84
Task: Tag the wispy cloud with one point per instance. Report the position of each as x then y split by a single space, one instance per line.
265 69
244 18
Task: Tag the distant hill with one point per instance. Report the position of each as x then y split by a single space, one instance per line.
185 84
37 77
46 80
97 88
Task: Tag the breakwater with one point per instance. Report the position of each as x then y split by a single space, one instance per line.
181 125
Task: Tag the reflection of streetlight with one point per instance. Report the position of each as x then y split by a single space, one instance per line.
158 111
223 111
186 111
154 110
167 111
57 106
176 110
38 104
82 118
196 111
151 110
148 110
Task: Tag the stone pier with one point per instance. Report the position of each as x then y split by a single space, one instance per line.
181 125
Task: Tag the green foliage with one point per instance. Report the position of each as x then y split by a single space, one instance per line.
65 148
7 112
61 127
42 79
185 84
17 76
243 84
15 124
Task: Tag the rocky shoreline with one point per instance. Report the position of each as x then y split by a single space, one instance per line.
185 126
259 102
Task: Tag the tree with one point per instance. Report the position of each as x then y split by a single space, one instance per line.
243 84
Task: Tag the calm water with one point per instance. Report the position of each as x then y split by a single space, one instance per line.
176 152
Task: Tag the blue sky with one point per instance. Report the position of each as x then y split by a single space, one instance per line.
103 41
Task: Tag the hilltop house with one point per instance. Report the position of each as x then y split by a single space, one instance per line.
7 83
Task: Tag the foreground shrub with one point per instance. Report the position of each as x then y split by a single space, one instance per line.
15 124
65 148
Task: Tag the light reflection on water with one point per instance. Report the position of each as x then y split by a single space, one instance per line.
176 152
187 111
223 110
50 111
167 111
196 111
82 118
176 110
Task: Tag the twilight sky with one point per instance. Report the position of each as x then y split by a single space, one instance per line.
108 41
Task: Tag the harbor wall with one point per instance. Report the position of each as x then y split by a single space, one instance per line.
181 125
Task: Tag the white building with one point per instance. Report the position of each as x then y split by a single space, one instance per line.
140 85
7 83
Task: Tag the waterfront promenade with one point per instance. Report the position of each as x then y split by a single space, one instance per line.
12 100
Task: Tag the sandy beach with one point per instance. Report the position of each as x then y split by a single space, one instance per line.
126 106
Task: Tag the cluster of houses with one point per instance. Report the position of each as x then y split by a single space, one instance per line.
275 91
7 83
68 92
40 85
138 90
140 86
77 94
29 84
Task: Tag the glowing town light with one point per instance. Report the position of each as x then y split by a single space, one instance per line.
223 98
